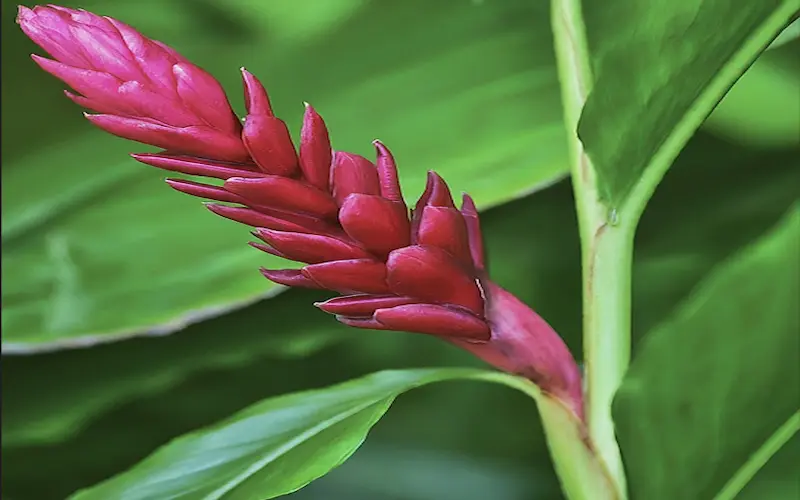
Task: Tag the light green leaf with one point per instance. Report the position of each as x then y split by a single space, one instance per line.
714 391
281 444
791 33
659 70
763 108
85 229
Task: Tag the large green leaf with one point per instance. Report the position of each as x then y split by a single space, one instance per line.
279 445
85 229
659 70
714 391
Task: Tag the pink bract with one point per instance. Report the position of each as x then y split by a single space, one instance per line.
342 215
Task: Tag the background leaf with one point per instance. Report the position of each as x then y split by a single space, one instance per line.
778 478
68 395
272 448
651 93
494 132
710 386
763 108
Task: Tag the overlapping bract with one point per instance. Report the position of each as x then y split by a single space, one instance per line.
344 216
340 214
142 89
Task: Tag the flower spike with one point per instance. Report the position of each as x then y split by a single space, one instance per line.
339 214
143 90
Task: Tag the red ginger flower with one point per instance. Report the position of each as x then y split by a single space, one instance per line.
339 213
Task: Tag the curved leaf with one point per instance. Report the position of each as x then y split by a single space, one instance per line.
713 392
778 478
650 93
281 444
763 108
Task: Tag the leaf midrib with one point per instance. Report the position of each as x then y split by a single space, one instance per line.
759 458
292 444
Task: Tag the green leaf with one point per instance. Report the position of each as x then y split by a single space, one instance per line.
791 33
714 391
116 440
281 444
778 479
73 386
659 70
405 473
86 229
763 108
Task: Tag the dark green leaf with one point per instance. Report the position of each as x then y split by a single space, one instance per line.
659 70
272 448
778 479
116 440
401 473
710 387
472 94
73 386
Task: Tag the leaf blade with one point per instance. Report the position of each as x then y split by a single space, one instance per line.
651 94
281 444
749 470
685 376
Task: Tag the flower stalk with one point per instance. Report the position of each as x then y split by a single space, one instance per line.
606 250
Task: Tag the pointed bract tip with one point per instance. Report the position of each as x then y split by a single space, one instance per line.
381 148
22 13
439 191
468 205
256 98
387 173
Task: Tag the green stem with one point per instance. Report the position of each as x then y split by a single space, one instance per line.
606 248
582 475
606 334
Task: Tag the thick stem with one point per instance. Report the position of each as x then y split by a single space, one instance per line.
607 260
582 475
606 248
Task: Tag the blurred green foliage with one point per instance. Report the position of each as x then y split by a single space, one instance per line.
466 88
